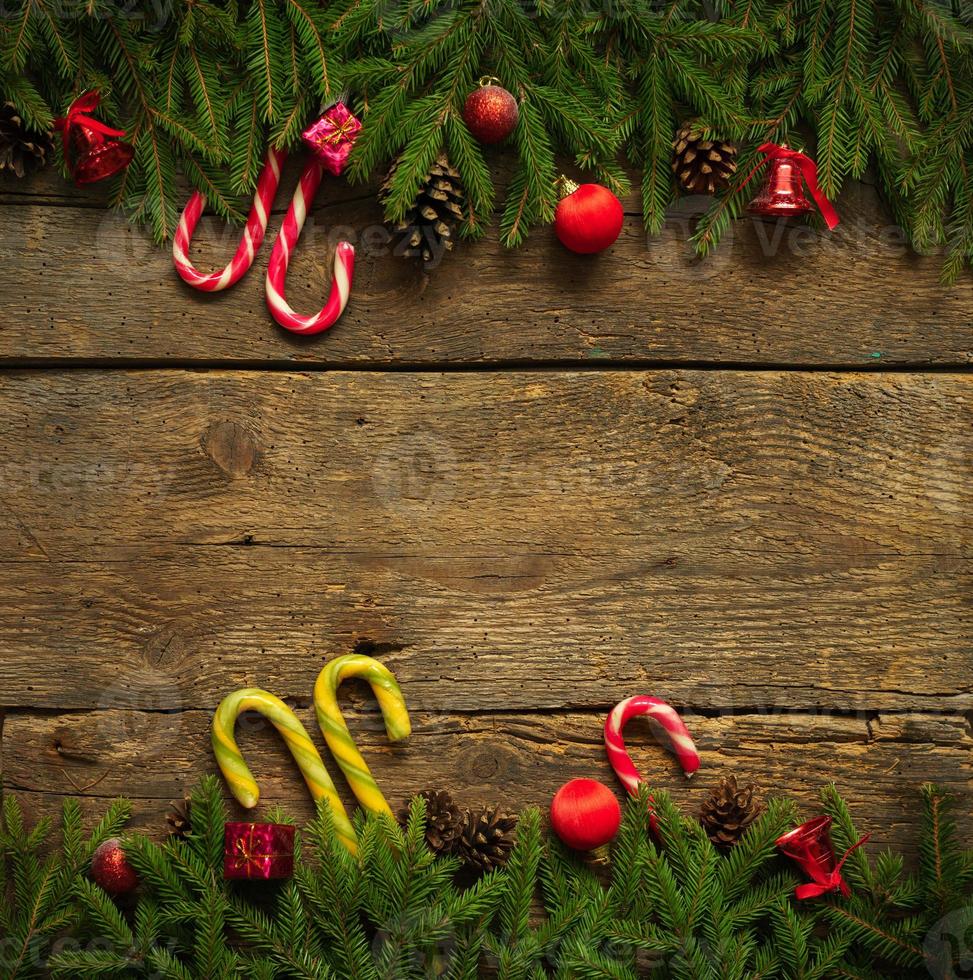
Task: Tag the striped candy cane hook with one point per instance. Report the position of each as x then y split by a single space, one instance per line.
672 725
237 772
335 731
290 232
253 233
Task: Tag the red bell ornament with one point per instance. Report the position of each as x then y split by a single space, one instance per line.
782 195
90 149
810 847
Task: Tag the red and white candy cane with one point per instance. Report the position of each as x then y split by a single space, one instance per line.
253 233
672 725
290 232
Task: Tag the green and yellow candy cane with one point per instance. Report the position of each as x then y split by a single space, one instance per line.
237 773
336 733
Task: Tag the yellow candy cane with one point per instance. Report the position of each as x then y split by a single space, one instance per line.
238 775
336 733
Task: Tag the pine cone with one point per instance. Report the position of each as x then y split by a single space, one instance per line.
728 811
487 838
428 226
702 166
178 818
21 149
444 821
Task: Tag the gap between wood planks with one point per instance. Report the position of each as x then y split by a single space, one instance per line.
10 365
303 703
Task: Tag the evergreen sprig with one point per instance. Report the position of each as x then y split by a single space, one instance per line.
38 887
870 87
668 904
897 924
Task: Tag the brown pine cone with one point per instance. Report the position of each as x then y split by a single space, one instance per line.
487 838
178 818
21 149
702 166
729 811
444 821
429 225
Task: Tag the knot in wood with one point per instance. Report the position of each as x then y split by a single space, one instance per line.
231 446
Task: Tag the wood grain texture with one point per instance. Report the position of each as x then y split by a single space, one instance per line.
524 541
86 286
784 555
877 763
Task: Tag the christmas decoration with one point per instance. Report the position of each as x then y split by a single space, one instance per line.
444 821
392 704
729 811
22 150
258 850
110 868
333 918
430 221
487 838
782 195
490 112
89 149
585 814
810 847
588 217
250 242
671 724
238 776
203 95
335 731
330 140
290 232
702 166
179 818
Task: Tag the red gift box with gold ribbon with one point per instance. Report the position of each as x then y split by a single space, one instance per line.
258 851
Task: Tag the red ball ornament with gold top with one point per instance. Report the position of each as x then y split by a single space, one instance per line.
491 112
588 217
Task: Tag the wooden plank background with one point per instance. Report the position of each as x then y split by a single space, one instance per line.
531 483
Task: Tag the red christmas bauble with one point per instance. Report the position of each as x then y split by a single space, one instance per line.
585 814
490 113
588 219
111 870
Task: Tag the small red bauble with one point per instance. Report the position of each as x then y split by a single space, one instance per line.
111 870
585 814
588 218
490 112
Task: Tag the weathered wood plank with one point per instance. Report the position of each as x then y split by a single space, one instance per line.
772 295
516 540
876 763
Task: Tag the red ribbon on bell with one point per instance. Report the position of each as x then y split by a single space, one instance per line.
783 194
90 149
810 847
